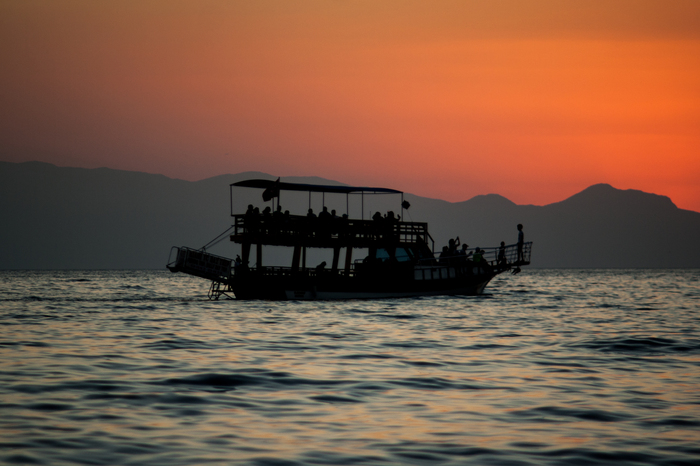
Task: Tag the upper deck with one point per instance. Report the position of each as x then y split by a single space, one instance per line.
297 230
324 231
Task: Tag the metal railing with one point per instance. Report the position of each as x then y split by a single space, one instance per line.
285 229
279 271
199 263
508 256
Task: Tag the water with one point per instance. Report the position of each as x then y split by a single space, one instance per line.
551 367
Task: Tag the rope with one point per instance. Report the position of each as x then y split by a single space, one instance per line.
218 239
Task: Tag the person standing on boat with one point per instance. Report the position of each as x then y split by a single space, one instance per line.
521 243
452 247
502 254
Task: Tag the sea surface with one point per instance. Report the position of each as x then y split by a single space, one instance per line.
550 367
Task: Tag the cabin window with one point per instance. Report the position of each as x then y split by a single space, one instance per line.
403 255
382 254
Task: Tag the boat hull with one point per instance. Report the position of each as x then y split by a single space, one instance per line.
333 287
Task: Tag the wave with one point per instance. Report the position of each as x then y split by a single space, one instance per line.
639 345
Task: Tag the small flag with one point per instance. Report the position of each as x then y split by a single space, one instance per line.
272 191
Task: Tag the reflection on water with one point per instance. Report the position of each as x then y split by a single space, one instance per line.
551 367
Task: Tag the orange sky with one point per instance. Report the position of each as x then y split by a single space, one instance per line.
533 100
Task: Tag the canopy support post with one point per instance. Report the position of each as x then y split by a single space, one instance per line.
348 260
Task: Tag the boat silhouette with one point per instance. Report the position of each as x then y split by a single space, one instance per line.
400 259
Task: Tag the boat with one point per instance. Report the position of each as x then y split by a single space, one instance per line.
382 257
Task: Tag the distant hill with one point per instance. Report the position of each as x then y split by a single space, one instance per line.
74 218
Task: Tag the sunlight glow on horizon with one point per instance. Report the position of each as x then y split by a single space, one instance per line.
534 104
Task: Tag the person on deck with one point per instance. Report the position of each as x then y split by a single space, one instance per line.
502 254
324 214
452 250
320 268
463 254
479 260
444 255
521 243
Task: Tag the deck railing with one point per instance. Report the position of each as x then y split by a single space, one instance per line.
492 256
199 263
288 230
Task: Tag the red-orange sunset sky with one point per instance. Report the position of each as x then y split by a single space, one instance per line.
534 100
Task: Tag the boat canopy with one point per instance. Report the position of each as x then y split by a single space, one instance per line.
315 188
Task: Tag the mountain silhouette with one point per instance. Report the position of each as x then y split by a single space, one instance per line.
76 218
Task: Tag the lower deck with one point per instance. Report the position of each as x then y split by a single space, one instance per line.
383 274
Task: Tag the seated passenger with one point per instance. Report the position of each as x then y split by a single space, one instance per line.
444 255
252 219
324 213
463 255
480 261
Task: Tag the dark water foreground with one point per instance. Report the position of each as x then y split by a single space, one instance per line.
552 367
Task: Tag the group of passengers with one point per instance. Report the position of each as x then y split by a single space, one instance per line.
325 215
326 223
453 256
265 221
383 225
270 222
254 212
323 224
389 217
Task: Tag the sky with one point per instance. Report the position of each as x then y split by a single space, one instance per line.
533 100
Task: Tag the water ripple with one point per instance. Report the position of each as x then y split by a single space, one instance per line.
554 367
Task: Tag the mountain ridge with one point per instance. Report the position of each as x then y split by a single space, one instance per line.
65 217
